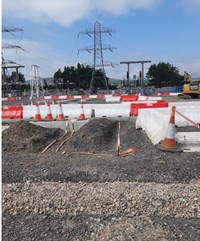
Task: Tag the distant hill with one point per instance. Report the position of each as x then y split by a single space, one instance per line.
113 81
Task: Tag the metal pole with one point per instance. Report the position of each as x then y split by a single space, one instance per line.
128 81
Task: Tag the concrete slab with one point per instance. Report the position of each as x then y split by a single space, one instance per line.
4 127
63 125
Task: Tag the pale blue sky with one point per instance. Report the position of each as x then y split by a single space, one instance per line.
156 30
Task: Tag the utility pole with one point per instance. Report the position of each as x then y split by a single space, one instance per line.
97 48
142 73
36 82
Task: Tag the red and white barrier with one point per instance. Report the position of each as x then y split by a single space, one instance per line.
146 105
11 98
12 112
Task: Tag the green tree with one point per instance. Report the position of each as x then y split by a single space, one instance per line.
13 77
57 77
79 77
164 74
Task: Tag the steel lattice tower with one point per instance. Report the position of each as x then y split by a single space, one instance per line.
98 48
10 64
36 82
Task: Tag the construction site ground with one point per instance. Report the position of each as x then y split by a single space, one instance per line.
79 189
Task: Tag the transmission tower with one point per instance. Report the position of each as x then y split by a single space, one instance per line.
36 82
10 64
97 48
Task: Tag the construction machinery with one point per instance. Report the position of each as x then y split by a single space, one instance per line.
191 87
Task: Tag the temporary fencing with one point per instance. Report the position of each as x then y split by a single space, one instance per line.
124 109
129 98
149 104
12 112
155 121
11 98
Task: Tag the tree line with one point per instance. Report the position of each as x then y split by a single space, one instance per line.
76 77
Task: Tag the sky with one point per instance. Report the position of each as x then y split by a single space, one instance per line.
156 30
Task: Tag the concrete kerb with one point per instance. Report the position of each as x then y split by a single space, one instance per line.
62 124
189 141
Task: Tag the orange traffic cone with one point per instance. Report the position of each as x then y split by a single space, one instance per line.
37 115
49 115
60 113
169 143
82 115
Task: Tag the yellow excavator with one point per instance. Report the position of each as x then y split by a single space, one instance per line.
191 88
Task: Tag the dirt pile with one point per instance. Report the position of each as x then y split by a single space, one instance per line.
100 136
97 135
27 137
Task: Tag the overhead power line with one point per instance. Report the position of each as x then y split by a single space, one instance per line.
8 30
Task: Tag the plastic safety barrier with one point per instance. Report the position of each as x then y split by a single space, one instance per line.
112 110
11 98
141 98
100 96
136 106
165 94
12 112
155 121
54 97
129 98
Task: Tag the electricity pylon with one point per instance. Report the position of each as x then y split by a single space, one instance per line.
36 82
98 48
10 64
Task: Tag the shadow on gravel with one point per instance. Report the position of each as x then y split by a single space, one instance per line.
97 227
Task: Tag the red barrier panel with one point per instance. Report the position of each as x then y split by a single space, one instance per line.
12 112
136 106
54 97
165 94
70 97
129 98
12 98
85 97
100 96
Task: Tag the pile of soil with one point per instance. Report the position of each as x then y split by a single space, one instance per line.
97 135
27 137
100 136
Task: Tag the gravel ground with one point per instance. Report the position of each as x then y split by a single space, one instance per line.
71 195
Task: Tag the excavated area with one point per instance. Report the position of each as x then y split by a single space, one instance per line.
79 189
